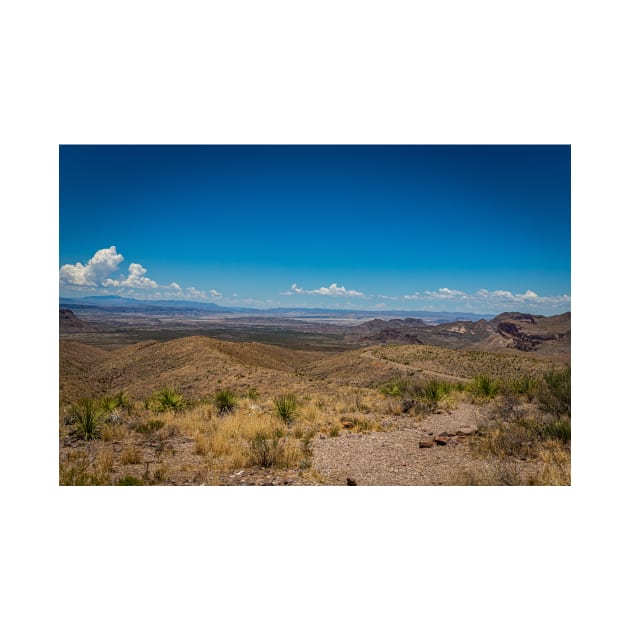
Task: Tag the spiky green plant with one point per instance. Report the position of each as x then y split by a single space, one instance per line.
524 385
225 400
108 404
484 386
434 391
87 418
169 399
286 407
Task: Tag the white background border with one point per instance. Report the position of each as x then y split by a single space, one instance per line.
312 72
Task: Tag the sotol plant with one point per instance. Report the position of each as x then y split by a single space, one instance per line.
286 407
225 400
169 399
87 419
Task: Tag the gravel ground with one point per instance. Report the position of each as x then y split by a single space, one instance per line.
393 457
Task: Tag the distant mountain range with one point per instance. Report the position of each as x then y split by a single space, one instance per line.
122 304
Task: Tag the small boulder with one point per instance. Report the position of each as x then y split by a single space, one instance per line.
350 482
442 440
427 443
466 431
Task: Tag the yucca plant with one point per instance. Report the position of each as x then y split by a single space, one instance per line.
169 399
434 391
485 386
225 400
87 419
286 407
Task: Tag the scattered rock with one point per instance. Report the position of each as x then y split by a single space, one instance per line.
452 442
442 440
444 434
350 482
114 418
426 443
466 431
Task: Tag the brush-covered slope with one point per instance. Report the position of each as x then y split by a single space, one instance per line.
196 366
377 364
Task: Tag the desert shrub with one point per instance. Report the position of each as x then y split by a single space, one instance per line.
522 438
108 404
286 407
225 400
265 448
334 430
169 400
87 418
484 386
401 387
358 425
131 455
76 471
555 393
130 480
151 426
526 385
123 402
253 393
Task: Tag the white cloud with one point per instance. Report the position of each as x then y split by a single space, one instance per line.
446 293
332 290
95 272
135 280
98 271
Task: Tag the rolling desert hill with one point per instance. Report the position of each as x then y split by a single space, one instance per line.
507 332
70 323
196 366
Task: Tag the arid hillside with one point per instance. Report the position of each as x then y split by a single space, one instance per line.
198 410
196 366
519 332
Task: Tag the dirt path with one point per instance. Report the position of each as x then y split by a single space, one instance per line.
394 457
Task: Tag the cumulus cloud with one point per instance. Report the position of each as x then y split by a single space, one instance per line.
136 279
100 273
95 272
332 290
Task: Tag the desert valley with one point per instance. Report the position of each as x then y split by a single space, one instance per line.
195 394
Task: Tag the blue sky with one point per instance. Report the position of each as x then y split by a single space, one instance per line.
459 228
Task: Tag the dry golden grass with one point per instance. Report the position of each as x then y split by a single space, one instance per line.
131 455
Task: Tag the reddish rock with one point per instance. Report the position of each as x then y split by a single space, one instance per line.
428 443
442 440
